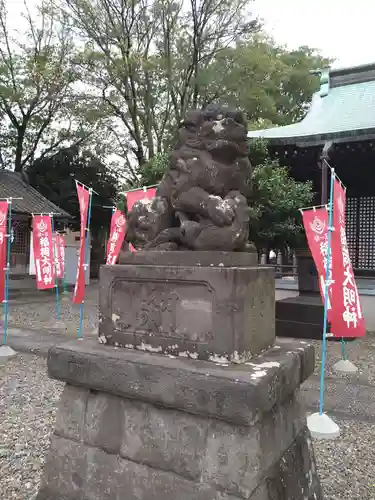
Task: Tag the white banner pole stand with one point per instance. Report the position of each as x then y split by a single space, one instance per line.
322 427
345 367
6 352
59 325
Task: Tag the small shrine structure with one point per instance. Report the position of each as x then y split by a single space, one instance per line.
15 185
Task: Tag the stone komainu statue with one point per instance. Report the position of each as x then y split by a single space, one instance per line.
201 202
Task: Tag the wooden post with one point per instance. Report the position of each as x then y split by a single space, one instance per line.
327 148
324 191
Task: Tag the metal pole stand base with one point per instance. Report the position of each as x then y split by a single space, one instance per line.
6 352
322 427
10 318
345 367
59 324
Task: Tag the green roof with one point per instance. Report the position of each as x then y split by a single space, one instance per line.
342 110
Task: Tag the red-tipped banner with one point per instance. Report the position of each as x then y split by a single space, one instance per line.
134 196
3 246
43 252
84 200
59 255
116 237
347 316
316 227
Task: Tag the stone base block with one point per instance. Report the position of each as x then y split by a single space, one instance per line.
213 306
301 318
140 426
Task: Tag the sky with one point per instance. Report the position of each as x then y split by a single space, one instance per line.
341 29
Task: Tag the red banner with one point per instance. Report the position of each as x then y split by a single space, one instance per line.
3 246
316 227
347 316
139 194
59 247
43 252
84 200
116 237
134 196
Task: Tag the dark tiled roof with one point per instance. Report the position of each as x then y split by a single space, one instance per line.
13 185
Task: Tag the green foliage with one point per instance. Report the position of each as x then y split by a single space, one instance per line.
38 105
149 174
151 61
121 204
153 170
271 84
54 178
141 65
275 220
258 152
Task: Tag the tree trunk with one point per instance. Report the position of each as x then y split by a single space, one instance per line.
19 150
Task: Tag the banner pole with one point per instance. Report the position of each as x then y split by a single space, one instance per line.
145 188
343 350
325 318
54 243
344 366
86 187
85 265
7 271
319 424
64 285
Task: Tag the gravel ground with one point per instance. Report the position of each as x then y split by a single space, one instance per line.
28 401
346 465
40 312
361 353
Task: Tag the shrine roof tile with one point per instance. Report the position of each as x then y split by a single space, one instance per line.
342 110
13 185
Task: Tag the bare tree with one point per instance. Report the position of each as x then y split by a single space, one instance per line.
118 60
193 39
151 61
36 87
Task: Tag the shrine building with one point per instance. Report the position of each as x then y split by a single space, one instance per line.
339 127
15 185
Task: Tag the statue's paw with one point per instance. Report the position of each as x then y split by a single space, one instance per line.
163 247
220 211
189 231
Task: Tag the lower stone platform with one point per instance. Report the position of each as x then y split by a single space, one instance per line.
302 317
141 426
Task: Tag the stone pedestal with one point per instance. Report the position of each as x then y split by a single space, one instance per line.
202 305
138 426
302 316
200 404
